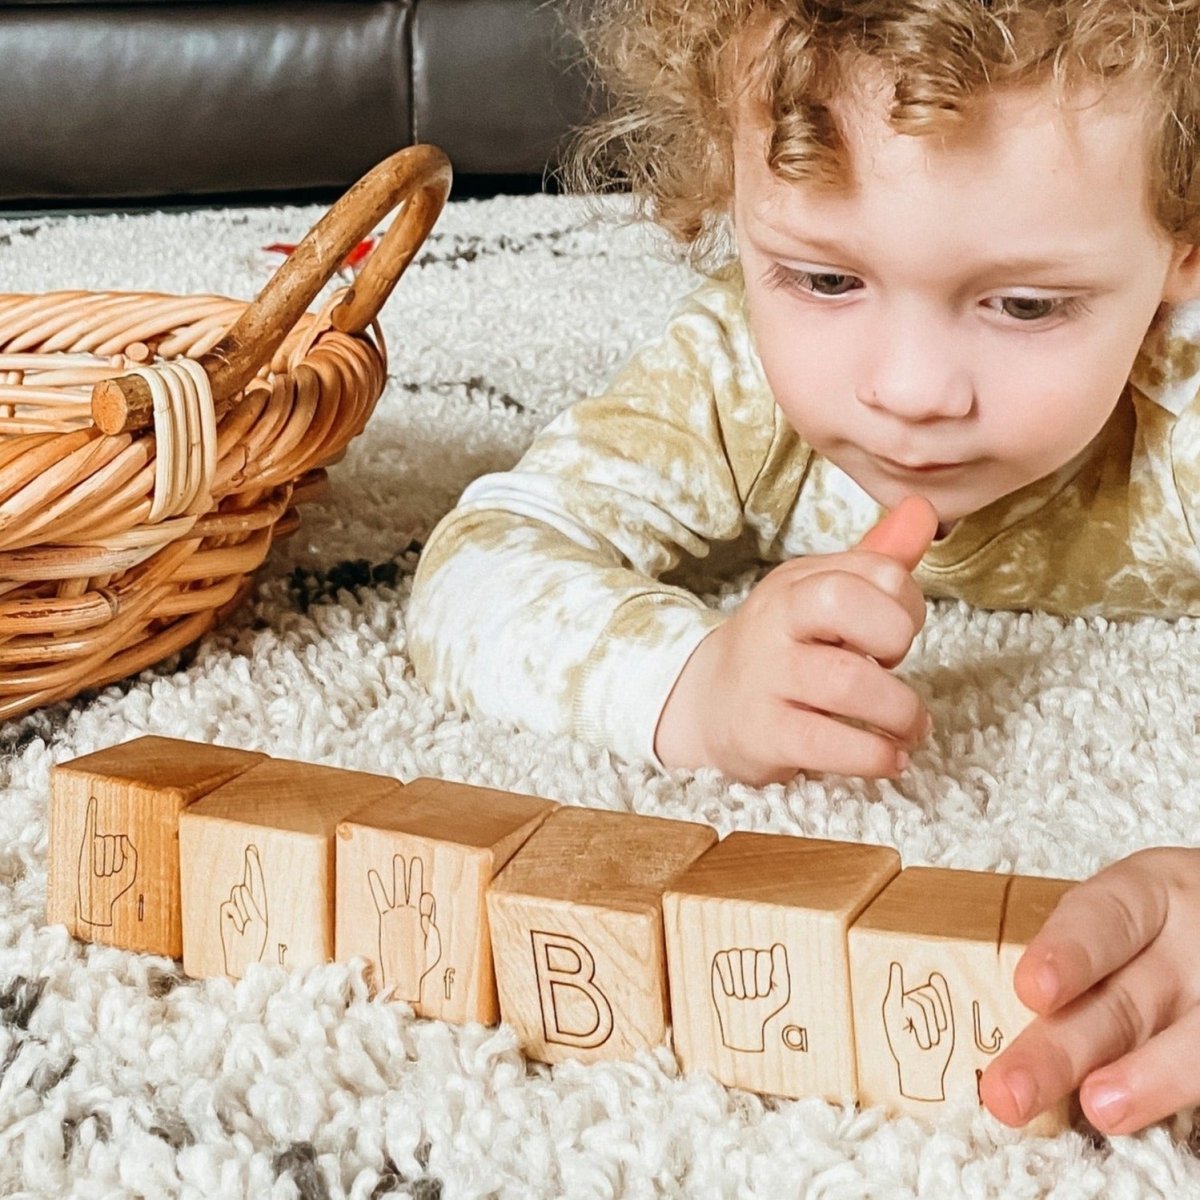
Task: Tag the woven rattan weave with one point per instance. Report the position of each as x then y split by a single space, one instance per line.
153 446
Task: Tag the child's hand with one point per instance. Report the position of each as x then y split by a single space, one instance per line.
1115 973
775 688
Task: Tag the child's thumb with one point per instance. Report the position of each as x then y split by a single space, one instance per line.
904 533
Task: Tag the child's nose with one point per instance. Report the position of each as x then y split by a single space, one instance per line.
915 374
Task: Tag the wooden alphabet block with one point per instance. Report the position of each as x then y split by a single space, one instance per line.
113 870
577 934
759 965
412 881
931 974
257 865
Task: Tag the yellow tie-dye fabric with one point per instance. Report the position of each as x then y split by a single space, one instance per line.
539 598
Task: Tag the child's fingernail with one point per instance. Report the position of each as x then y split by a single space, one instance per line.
1022 1087
902 760
1047 981
1109 1102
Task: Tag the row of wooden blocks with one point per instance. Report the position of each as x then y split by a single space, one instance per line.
788 966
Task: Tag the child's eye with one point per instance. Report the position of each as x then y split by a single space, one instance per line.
826 283
1028 309
818 283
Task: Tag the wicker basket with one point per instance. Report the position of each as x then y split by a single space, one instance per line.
153 446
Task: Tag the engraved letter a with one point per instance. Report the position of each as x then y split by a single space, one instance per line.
575 1012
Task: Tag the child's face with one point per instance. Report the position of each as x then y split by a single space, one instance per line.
910 331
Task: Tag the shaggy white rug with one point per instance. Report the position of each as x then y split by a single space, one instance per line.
1059 747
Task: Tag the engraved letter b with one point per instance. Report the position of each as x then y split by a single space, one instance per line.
575 1012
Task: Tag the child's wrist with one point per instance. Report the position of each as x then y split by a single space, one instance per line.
675 748
679 739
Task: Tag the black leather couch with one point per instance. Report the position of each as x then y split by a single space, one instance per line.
150 100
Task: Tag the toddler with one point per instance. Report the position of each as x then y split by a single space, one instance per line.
945 346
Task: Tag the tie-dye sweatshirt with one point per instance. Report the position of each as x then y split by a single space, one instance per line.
539 598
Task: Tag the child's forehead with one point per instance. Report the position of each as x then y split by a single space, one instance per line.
1031 180
1036 138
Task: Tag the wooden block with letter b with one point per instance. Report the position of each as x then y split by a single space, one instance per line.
411 891
113 871
257 865
759 965
577 934
931 971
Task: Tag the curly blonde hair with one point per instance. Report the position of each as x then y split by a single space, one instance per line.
672 71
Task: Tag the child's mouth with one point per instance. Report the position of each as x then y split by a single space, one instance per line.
923 469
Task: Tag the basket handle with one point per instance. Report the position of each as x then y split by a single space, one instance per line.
417 177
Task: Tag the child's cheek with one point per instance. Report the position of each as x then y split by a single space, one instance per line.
808 369
1044 410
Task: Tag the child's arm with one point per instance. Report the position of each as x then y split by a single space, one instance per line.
1115 976
536 599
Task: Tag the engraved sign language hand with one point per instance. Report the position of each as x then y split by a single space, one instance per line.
107 869
410 945
919 1024
748 988
244 918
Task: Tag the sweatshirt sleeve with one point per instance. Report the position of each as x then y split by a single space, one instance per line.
1164 477
537 598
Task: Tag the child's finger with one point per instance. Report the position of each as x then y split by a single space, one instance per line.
1147 1084
1052 1055
888 575
843 684
842 608
811 742
904 533
1098 926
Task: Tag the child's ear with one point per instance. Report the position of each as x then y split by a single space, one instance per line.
1183 278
